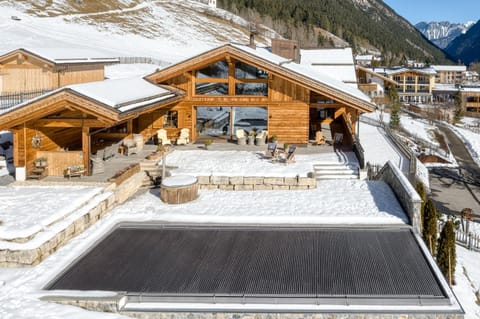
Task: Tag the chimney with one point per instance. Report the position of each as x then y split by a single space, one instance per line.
252 41
286 48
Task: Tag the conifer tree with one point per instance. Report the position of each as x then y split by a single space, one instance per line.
420 188
394 106
446 255
430 226
458 113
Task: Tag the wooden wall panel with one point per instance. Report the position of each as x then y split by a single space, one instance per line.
281 90
74 74
289 122
58 161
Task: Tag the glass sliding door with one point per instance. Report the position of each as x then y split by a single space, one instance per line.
213 122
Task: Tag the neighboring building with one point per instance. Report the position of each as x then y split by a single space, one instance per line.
471 76
414 85
445 93
26 70
471 100
366 60
374 84
450 74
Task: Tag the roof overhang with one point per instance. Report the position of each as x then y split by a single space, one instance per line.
384 78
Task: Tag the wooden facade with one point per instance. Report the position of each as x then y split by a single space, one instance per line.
70 126
289 100
21 71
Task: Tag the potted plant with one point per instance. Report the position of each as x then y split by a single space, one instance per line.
208 142
251 137
285 146
273 139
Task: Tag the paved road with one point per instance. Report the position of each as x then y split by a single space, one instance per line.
455 189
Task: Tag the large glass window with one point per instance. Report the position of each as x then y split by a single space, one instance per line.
171 119
251 89
246 71
218 70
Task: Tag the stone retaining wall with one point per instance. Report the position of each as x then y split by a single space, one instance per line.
30 257
249 183
404 191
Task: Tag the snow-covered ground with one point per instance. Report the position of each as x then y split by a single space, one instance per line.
467 277
27 210
242 163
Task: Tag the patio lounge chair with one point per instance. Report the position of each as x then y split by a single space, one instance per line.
162 137
240 135
290 157
337 139
272 151
130 146
319 138
184 137
261 137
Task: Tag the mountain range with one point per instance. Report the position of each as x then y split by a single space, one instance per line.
466 47
367 25
442 33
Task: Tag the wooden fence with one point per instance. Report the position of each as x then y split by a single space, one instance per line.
469 240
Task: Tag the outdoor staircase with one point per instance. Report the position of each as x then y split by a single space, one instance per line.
329 171
153 173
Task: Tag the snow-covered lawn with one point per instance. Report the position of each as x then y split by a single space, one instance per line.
467 276
243 163
418 128
28 209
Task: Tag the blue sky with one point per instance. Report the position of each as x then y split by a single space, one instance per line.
437 10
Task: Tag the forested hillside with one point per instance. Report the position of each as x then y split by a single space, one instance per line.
466 48
368 25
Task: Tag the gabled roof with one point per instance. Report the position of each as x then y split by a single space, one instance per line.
64 55
264 59
115 99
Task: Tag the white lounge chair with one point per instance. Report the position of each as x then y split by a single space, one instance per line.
184 137
162 137
240 135
261 137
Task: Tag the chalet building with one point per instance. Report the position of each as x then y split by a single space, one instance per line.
367 60
450 74
374 84
27 70
212 94
414 85
471 100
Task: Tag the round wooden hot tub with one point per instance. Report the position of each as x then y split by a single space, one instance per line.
179 189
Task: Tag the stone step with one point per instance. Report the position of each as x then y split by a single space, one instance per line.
335 172
326 177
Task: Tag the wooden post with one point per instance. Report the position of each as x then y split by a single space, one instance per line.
86 148
130 127
231 76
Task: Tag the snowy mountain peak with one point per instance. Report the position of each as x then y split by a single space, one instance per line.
444 32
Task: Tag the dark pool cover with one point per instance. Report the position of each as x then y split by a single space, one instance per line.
322 262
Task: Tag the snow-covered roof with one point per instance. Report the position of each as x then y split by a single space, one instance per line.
445 87
428 71
306 71
68 55
450 68
123 93
120 94
337 63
